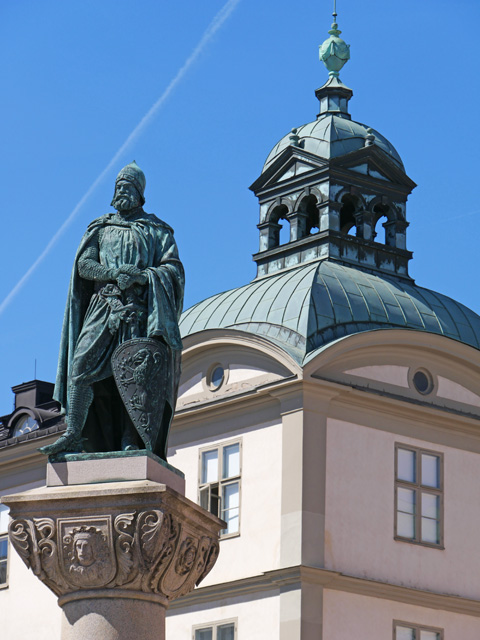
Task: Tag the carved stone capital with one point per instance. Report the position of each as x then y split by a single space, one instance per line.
138 540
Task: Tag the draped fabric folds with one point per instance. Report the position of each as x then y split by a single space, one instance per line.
91 331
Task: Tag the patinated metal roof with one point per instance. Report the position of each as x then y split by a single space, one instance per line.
305 308
332 136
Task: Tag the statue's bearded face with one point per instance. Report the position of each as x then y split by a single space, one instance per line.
126 196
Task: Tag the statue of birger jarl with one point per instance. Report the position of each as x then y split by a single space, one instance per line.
119 362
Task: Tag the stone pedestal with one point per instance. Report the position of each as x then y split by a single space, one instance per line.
114 552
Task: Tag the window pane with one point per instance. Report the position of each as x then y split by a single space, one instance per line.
210 466
430 531
233 521
205 498
226 632
231 460
217 377
230 510
3 518
231 496
429 635
3 548
404 633
430 471
3 560
204 634
430 505
406 500
405 525
406 465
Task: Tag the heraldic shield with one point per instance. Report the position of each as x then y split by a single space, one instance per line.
141 369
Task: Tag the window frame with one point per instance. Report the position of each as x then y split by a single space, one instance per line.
416 628
207 377
214 626
419 488
222 482
4 536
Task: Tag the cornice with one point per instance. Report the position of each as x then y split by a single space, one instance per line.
361 397
256 397
301 575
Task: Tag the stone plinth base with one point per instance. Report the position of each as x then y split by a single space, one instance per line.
114 552
91 468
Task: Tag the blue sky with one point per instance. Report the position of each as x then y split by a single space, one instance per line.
78 76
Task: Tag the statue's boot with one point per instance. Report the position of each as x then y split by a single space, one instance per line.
71 441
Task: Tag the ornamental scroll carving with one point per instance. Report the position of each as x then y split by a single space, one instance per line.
149 551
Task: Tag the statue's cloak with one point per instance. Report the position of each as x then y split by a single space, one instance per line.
152 248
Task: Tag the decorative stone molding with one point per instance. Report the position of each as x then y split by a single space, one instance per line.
146 551
149 550
106 543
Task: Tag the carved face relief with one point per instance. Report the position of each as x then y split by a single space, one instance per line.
87 552
153 550
83 550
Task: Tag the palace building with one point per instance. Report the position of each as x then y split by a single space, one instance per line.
328 411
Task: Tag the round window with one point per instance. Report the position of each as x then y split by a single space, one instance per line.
422 381
217 377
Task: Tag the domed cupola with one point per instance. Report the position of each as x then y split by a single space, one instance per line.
334 182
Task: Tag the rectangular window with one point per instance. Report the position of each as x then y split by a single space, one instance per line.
407 631
418 495
219 486
3 545
217 631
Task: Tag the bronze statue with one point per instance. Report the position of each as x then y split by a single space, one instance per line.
119 361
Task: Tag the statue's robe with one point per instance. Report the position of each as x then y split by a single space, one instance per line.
91 333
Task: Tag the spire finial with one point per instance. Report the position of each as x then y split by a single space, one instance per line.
334 52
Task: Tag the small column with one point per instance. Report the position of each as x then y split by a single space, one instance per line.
298 225
329 216
364 224
401 234
390 233
269 235
114 538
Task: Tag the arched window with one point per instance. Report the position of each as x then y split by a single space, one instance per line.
308 205
280 230
24 424
284 236
347 217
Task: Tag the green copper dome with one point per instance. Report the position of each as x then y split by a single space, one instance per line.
305 308
325 282
332 136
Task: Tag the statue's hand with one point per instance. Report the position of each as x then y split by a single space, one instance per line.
129 269
125 281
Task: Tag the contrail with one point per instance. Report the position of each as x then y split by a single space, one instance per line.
217 22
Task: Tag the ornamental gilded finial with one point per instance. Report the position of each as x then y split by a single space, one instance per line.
334 52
